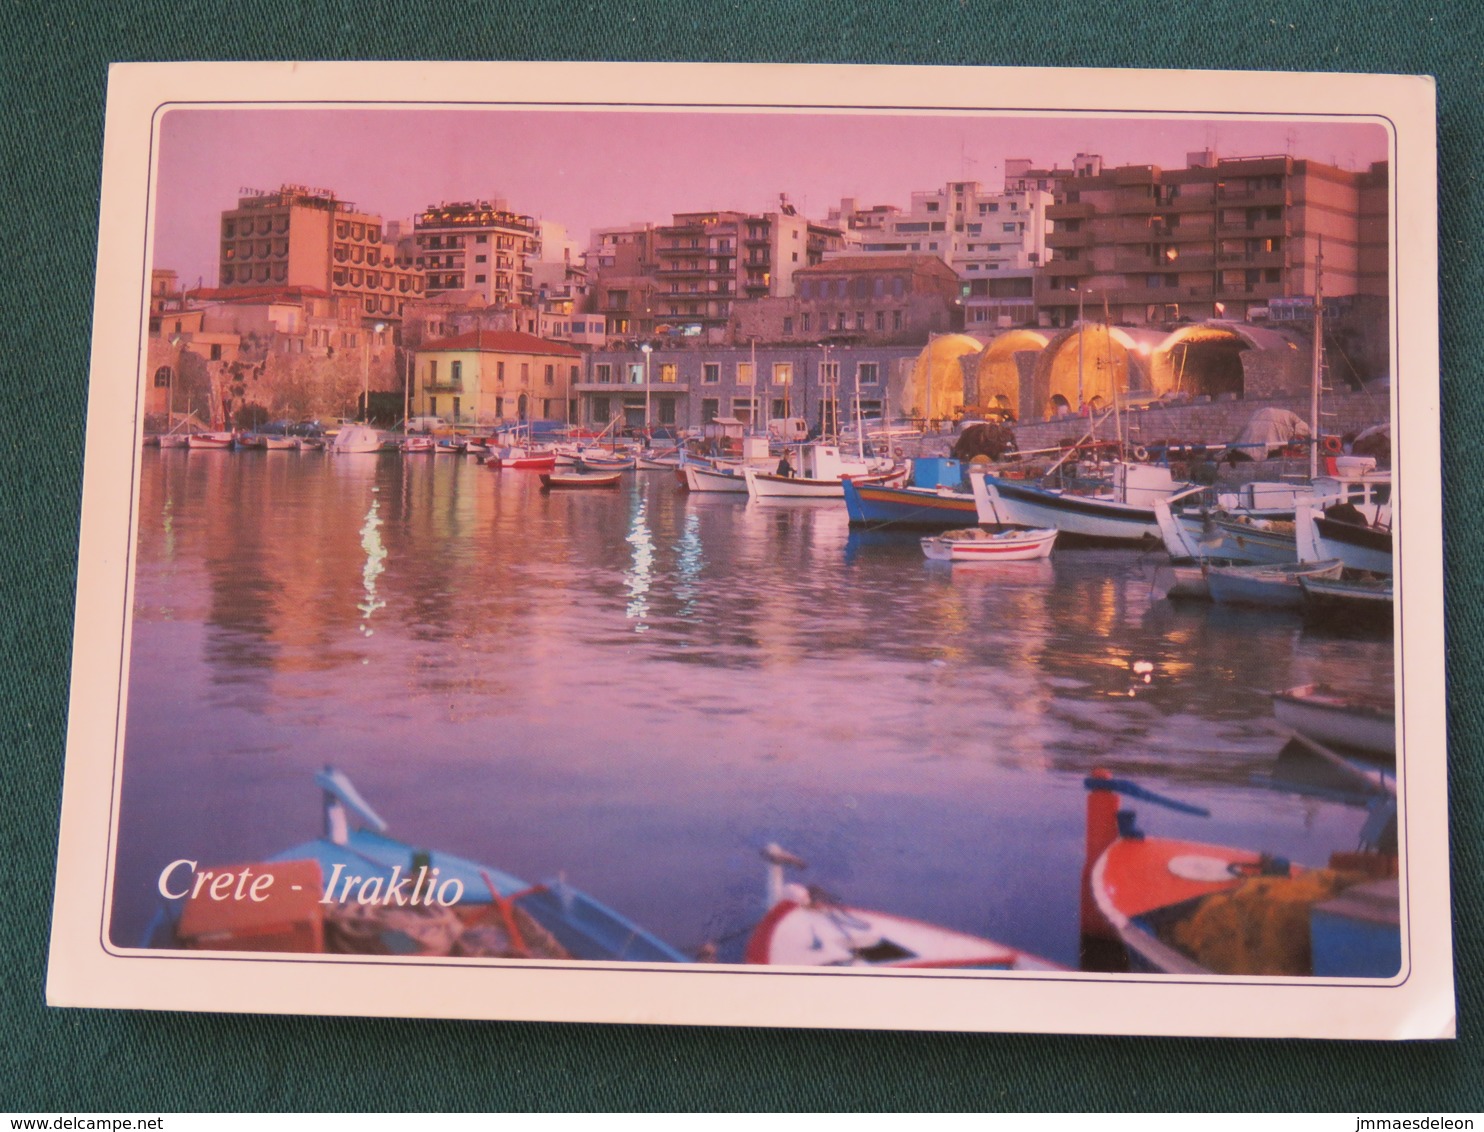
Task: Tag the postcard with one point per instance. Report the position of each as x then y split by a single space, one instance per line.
877 547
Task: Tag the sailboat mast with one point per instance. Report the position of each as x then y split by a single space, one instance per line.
1318 361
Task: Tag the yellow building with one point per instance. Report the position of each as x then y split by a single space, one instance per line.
490 377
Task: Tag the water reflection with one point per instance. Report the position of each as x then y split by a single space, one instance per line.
375 559
642 688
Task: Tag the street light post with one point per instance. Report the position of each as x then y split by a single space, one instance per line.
647 350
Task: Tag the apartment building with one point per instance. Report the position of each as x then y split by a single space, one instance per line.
877 299
478 246
1218 239
298 236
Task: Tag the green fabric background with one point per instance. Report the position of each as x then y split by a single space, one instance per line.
52 82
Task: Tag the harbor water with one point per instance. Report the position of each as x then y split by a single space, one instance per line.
638 689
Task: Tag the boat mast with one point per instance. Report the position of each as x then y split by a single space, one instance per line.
1318 361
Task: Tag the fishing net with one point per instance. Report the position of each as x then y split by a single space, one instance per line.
1261 927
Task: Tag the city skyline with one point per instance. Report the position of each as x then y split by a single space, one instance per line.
596 168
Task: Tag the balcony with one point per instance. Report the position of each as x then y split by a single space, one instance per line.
1254 197
443 385
1254 228
1253 259
1077 211
1139 265
1068 239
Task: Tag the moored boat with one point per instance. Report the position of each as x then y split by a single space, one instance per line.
1273 586
933 499
560 480
818 472
982 544
1182 907
521 459
1335 719
355 890
354 440
1124 515
1364 603
707 478
209 441
804 927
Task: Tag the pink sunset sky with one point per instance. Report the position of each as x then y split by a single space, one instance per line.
590 168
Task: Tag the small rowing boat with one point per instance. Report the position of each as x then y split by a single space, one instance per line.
984 544
805 927
563 480
1337 720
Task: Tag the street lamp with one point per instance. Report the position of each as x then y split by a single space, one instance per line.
647 350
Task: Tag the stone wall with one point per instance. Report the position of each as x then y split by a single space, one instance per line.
1214 422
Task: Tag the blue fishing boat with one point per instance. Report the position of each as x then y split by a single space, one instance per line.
355 890
934 500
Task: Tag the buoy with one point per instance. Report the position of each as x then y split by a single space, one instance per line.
1141 454
1332 445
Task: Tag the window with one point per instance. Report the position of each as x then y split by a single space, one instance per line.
500 373
455 372
550 374
788 325
433 372
867 373
783 373
710 409
603 373
636 373
525 376
162 377
601 410
667 410
572 376
779 408
829 373
711 373
860 320
804 322
669 372
896 320
216 352
744 373
880 320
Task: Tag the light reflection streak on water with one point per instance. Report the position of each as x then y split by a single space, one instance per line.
689 562
639 578
375 564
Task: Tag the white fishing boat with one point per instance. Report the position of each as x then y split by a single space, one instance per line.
209 441
718 479
804 927
1123 514
418 445
1275 586
1343 531
1336 719
818 472
983 544
356 439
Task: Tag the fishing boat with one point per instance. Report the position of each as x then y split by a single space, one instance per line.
209 441
1335 719
1342 531
355 440
932 499
562 480
521 460
1273 586
448 446
1191 908
720 479
1362 603
418 445
591 461
985 544
805 927
280 443
1125 514
249 441
818 472
355 890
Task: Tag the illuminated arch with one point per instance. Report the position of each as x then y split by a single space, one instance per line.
996 381
935 388
1206 359
1092 362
